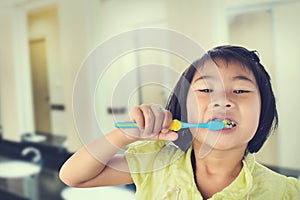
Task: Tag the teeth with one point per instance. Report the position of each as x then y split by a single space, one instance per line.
229 124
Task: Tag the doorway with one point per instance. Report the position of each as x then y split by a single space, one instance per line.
39 76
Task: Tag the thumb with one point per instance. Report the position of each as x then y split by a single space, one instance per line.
169 136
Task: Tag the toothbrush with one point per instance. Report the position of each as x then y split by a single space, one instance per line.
176 125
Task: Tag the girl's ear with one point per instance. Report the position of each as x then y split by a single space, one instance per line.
184 140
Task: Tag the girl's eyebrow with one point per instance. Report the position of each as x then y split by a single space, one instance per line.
240 77
203 78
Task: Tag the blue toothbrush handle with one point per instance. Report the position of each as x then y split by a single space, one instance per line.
188 125
212 125
126 125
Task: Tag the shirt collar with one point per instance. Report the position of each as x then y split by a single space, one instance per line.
241 186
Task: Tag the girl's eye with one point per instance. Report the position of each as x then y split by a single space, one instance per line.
240 91
206 90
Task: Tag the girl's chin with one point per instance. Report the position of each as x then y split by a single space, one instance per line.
217 145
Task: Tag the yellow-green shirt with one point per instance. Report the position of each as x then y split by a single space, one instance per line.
162 171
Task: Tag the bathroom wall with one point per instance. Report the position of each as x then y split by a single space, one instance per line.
166 16
260 39
286 45
16 99
75 41
43 24
110 21
203 21
0 113
101 20
273 30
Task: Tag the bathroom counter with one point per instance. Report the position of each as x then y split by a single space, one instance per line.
8 195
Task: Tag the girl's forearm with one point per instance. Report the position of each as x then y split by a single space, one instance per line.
90 160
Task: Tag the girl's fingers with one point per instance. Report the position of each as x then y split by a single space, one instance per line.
169 136
167 121
136 115
159 117
149 120
153 122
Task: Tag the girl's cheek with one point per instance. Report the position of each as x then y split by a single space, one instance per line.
195 107
192 107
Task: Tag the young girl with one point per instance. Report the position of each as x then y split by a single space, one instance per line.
228 83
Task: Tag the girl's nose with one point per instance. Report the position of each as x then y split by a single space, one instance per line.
227 105
222 101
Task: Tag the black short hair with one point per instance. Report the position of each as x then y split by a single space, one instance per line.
268 120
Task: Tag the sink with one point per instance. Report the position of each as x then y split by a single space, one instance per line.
18 169
108 192
21 178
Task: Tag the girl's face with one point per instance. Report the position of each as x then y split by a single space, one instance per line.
227 91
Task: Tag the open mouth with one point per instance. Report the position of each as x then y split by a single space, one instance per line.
229 124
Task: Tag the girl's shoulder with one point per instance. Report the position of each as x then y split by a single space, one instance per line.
161 170
146 146
149 156
265 178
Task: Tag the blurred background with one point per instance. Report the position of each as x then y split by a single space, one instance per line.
44 42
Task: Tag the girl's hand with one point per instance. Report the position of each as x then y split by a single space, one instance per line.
153 122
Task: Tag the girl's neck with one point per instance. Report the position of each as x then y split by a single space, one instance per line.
216 170
219 162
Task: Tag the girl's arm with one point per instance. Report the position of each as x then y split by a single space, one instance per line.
97 164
